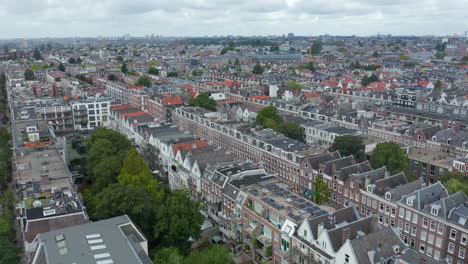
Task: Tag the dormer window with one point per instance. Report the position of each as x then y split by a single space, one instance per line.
409 200
370 188
388 196
435 209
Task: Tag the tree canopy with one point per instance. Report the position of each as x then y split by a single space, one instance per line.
29 75
455 181
203 100
295 85
390 155
269 112
258 69
169 255
135 172
152 70
134 201
291 130
349 145
214 254
144 81
321 190
61 67
172 74
37 54
112 77
124 68
317 47
368 80
179 218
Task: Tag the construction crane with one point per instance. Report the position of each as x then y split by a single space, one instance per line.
311 44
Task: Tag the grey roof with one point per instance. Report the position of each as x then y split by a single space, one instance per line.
371 176
459 215
447 203
329 221
316 160
120 237
362 226
332 166
389 183
412 256
381 243
344 173
206 156
426 195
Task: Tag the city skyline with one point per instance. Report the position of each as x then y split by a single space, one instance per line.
77 18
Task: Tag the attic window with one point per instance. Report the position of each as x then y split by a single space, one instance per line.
388 196
409 201
435 210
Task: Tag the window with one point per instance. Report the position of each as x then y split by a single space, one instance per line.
407 227
422 247
393 211
451 248
438 242
461 253
436 254
435 210
432 226
423 235
430 238
392 223
346 258
414 230
440 229
453 234
388 196
381 207
408 215
412 242
463 239
415 218
449 260
305 233
402 212
400 224
429 251
425 222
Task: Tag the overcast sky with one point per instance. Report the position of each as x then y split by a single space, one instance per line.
69 18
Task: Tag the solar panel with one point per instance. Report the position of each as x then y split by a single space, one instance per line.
36 188
300 200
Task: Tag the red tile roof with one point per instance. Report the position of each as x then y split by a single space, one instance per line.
95 91
189 145
170 100
118 107
133 114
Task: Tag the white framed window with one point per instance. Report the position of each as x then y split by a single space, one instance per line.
425 222
461 253
414 230
463 239
451 248
453 234
423 235
440 228
438 242
422 247
415 218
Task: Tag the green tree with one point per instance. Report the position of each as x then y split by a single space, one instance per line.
179 219
291 130
237 62
112 77
274 47
375 54
214 254
226 49
135 172
9 252
368 80
455 181
390 155
317 47
203 100
258 69
169 255
349 145
321 191
404 57
83 78
134 201
152 70
295 85
270 123
269 112
120 58
144 81
29 75
438 84
172 74
197 73
124 68
61 67
308 65
72 60
37 54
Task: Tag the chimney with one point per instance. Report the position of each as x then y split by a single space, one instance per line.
426 199
320 228
345 234
371 255
374 224
44 178
442 193
367 181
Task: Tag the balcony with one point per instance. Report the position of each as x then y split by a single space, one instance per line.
266 241
281 252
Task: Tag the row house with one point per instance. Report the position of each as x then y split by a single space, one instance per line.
278 153
126 119
325 133
421 213
59 117
162 106
189 163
